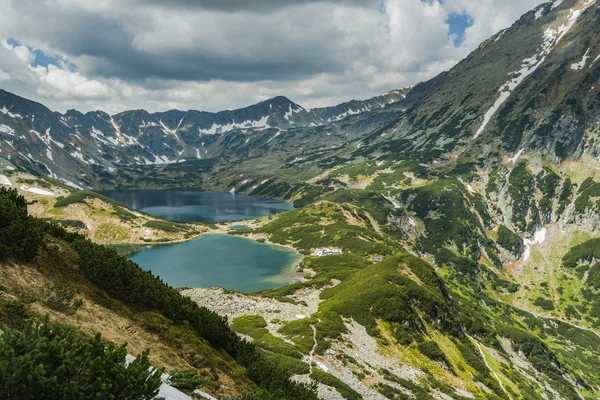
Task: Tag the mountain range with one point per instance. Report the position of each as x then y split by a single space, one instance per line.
466 210
66 146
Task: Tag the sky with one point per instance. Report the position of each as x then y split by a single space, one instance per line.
211 55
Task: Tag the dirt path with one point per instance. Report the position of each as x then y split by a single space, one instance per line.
490 368
312 351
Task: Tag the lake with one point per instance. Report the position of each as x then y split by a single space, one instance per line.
220 260
198 206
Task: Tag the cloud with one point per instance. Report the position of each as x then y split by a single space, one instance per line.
256 5
212 55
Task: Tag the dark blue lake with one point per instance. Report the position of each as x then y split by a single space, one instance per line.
220 260
198 206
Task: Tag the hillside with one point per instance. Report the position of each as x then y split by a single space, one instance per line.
473 313
47 271
501 204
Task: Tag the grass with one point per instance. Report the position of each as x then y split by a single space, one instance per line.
79 197
53 285
380 291
323 225
255 327
167 226
108 232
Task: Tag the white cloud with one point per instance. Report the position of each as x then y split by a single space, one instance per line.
132 54
489 16
53 81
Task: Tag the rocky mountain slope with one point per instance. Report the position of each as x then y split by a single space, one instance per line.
355 107
533 86
77 147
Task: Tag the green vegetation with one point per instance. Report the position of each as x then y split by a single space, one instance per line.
386 291
346 391
20 234
585 252
70 223
186 380
432 350
449 222
521 186
50 361
565 196
167 226
61 298
255 327
428 313
324 225
124 214
541 357
124 281
544 304
354 171
510 240
79 196
593 279
327 268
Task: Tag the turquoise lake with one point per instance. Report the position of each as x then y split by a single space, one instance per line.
220 260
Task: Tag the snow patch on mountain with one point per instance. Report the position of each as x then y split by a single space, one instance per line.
539 13
99 136
7 129
79 156
161 160
47 139
273 137
69 183
538 238
37 191
172 132
6 111
581 64
124 140
4 180
291 111
515 158
550 39
249 124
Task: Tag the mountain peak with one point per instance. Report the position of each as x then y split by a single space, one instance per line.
280 101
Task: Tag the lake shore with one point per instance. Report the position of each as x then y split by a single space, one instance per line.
233 262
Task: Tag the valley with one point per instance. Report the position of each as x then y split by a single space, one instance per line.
460 218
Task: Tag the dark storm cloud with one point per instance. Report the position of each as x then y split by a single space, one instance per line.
104 43
212 55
